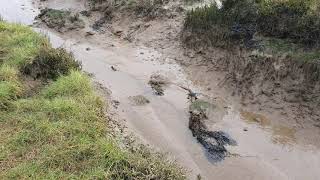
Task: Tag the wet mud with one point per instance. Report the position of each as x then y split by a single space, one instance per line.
158 83
213 141
139 100
272 147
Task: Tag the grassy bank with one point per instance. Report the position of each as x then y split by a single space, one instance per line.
239 21
53 124
287 29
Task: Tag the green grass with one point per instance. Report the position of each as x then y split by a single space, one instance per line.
141 8
296 20
295 51
61 131
59 19
19 45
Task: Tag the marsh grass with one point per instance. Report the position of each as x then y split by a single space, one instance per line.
241 19
54 17
289 28
142 8
61 131
294 50
61 20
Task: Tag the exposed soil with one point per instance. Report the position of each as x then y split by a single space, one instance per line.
276 139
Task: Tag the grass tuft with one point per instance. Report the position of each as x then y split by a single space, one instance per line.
50 63
69 86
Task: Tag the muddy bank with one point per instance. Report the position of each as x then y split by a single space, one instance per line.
260 63
259 78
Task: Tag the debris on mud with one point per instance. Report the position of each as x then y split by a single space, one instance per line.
86 13
114 68
139 100
115 103
157 83
61 20
90 33
213 141
192 96
98 24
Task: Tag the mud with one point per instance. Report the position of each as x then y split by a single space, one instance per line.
139 100
158 82
285 148
61 20
213 141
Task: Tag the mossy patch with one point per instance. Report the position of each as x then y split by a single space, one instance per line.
61 20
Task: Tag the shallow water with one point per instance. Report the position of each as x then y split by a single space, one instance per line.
266 150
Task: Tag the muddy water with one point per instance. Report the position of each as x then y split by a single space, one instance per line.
266 150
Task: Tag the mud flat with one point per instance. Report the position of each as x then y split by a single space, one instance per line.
268 145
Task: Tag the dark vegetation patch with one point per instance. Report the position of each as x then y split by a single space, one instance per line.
51 63
268 47
158 83
60 132
141 8
213 141
239 20
139 100
61 20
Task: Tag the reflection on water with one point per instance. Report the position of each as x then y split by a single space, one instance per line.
18 11
280 134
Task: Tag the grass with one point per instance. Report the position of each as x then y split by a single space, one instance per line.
18 45
61 19
295 51
287 29
61 131
296 20
142 8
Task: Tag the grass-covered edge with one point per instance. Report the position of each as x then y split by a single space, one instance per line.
58 130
